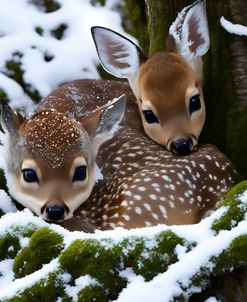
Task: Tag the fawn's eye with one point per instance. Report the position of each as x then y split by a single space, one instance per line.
150 117
80 173
29 175
195 103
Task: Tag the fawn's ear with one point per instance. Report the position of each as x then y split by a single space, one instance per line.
10 120
118 55
102 123
189 32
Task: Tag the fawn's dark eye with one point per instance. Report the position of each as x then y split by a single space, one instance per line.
195 103
150 117
80 173
29 175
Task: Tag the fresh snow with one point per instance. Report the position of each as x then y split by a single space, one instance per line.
74 56
137 290
235 29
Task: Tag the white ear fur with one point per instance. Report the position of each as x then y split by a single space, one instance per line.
118 55
108 124
190 31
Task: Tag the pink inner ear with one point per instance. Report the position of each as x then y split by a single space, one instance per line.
116 53
195 39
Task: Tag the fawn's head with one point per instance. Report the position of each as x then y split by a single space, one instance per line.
167 85
51 158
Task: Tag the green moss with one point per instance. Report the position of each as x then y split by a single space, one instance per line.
107 76
24 231
46 290
44 245
135 21
92 293
235 211
84 257
3 95
9 246
233 257
151 257
39 30
235 192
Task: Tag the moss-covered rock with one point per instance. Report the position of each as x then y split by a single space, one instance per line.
95 258
235 209
44 246
92 293
151 257
233 257
46 290
9 246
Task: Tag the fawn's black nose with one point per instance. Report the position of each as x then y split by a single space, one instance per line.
182 146
55 212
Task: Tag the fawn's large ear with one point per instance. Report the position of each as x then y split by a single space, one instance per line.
190 31
102 123
118 55
10 120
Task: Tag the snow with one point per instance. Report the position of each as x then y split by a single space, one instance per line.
75 57
137 290
235 29
6 204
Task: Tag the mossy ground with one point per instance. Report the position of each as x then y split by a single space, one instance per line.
236 210
34 256
105 261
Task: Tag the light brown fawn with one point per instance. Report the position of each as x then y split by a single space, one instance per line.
51 157
168 85
50 162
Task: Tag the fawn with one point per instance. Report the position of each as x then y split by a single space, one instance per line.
168 85
51 157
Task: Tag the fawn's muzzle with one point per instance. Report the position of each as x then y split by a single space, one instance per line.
182 146
55 212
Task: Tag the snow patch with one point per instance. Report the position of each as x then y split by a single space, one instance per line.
235 29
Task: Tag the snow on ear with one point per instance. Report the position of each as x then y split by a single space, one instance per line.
235 29
10 120
190 31
118 55
102 123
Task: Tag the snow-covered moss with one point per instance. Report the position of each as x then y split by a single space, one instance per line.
148 258
44 245
94 258
236 209
93 293
9 246
48 289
